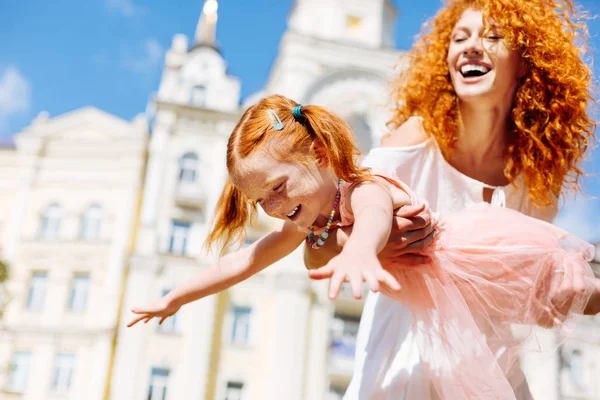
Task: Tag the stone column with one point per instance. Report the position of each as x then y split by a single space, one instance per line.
99 369
288 359
131 341
193 370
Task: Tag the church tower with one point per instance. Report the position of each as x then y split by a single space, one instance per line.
368 23
340 54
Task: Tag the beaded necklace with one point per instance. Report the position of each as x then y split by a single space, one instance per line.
317 243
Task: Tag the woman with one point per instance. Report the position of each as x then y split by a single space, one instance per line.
493 109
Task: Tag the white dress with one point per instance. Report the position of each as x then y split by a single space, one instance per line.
387 360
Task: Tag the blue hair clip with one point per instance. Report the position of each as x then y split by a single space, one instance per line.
277 124
297 111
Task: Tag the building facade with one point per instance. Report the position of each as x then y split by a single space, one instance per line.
71 187
101 215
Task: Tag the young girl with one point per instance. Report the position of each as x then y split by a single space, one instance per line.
490 267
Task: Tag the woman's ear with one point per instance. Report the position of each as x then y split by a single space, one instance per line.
320 154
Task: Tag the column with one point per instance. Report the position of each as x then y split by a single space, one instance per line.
316 369
193 370
131 341
30 152
158 149
292 303
99 369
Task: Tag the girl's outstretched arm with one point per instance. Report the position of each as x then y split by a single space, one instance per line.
229 270
373 205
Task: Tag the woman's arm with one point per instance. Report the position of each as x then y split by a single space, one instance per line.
228 271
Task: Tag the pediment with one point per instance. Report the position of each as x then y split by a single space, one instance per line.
84 124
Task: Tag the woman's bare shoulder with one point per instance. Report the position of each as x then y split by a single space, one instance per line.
410 133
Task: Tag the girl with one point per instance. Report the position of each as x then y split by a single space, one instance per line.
298 164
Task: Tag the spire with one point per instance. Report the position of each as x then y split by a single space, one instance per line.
206 31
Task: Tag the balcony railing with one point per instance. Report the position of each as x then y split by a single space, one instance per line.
190 195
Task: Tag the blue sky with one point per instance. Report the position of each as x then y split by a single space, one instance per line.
57 56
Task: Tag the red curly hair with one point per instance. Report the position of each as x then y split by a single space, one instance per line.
551 129
294 142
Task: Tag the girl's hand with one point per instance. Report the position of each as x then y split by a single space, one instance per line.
162 308
355 267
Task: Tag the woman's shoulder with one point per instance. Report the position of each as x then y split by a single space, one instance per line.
410 133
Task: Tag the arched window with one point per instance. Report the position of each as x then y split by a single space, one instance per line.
50 223
362 132
188 168
198 96
91 223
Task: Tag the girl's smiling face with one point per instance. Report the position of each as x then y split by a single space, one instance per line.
300 192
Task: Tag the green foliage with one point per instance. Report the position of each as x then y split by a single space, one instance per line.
3 271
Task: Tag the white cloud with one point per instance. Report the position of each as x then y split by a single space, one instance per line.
15 94
581 217
150 58
125 7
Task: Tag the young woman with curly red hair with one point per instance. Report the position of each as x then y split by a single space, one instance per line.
493 107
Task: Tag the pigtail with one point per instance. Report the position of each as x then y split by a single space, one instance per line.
232 213
338 140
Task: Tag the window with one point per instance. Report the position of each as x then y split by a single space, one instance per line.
63 371
188 168
179 237
158 384
37 291
577 369
50 224
91 222
198 96
344 330
19 371
240 330
234 390
169 325
80 286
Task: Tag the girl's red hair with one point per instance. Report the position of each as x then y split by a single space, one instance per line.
550 125
294 142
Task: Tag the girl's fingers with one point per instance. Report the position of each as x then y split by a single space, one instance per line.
324 272
335 285
135 320
389 280
371 280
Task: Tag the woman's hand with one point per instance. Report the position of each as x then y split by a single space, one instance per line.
162 308
412 232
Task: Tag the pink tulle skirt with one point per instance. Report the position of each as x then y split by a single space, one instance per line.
491 269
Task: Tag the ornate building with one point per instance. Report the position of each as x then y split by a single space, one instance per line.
100 216
338 54
71 187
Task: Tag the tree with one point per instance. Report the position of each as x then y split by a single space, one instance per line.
3 291
3 271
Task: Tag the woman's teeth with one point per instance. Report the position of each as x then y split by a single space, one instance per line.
469 70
